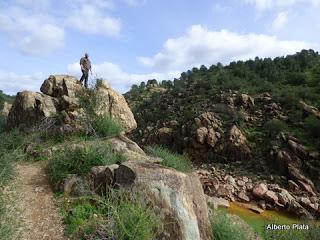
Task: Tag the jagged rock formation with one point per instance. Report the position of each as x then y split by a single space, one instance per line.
59 97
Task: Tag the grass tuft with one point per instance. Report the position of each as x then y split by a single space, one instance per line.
170 159
117 215
106 126
224 229
79 160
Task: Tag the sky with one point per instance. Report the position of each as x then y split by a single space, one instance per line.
130 41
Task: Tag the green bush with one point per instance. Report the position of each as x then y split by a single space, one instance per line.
106 126
312 125
172 160
274 127
79 160
119 215
134 221
224 229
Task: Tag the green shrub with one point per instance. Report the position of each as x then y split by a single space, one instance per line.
79 160
119 215
312 125
78 220
106 126
134 221
274 127
224 229
172 160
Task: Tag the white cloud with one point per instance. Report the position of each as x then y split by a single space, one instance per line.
89 19
11 82
33 34
201 46
280 21
119 79
262 5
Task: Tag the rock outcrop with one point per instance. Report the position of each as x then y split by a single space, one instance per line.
310 109
60 97
177 197
6 109
30 108
115 105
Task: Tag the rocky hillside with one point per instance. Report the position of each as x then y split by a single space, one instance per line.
257 119
75 132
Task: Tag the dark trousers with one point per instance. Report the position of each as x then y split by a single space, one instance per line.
85 77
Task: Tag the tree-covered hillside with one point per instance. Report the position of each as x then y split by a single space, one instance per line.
245 111
288 79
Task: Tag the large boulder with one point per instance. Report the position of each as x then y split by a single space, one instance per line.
30 108
6 109
60 85
179 196
236 146
115 105
59 96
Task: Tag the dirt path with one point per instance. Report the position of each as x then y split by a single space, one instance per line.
39 215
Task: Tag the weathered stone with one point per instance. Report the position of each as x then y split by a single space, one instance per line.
237 145
174 192
6 109
165 135
216 202
246 100
103 178
201 134
60 85
29 108
262 204
259 190
115 105
293 186
241 183
213 137
60 95
310 109
251 206
243 196
271 196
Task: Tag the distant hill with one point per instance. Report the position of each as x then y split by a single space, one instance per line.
235 112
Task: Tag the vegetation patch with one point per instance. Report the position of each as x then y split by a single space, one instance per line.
118 215
106 126
223 228
100 125
170 159
80 159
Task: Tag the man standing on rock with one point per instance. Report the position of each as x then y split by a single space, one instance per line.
85 68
